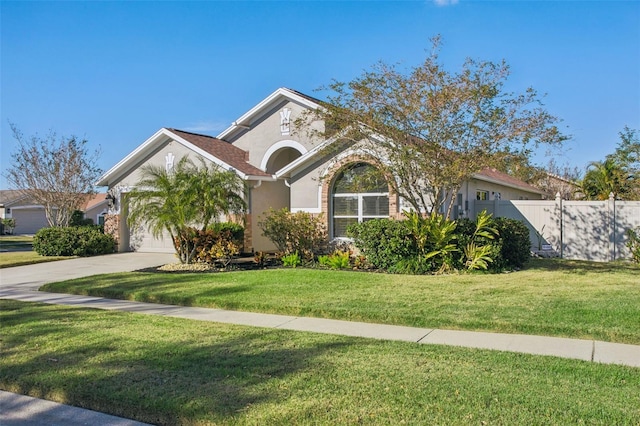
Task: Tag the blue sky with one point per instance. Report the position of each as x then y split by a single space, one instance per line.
116 72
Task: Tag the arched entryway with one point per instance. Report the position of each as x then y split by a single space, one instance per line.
358 193
281 154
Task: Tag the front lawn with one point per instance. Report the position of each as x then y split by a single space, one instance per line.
19 258
552 297
172 371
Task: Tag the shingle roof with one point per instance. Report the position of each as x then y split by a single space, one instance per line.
94 200
10 196
307 97
504 178
230 154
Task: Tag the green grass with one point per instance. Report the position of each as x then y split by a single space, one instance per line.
556 298
13 242
20 252
19 258
173 371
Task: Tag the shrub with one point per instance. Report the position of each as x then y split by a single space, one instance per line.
384 242
514 243
291 260
78 219
236 230
220 243
434 236
300 233
73 241
8 225
416 265
337 260
633 243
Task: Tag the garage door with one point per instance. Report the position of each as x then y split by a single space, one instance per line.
143 241
28 221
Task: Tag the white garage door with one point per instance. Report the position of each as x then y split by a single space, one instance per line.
143 241
29 221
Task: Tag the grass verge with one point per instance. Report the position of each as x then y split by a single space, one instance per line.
555 298
20 258
172 371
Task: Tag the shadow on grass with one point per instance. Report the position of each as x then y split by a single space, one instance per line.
581 266
164 377
142 287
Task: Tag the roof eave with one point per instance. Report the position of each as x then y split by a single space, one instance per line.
530 189
116 171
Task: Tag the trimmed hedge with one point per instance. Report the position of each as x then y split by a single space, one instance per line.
73 241
384 242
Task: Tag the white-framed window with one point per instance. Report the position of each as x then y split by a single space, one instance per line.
482 195
359 193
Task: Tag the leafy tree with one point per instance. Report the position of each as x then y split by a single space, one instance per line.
627 155
431 128
556 179
184 199
618 174
57 172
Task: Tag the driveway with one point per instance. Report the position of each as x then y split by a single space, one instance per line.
31 277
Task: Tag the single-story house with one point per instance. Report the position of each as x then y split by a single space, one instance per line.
284 168
30 216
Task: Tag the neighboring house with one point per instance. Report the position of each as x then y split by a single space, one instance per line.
30 216
96 207
283 168
554 184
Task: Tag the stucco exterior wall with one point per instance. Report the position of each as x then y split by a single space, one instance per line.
157 158
266 132
506 193
268 195
96 211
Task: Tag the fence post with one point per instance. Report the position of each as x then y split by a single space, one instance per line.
611 213
561 218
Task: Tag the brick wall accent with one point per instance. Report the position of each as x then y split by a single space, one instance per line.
327 183
248 235
112 227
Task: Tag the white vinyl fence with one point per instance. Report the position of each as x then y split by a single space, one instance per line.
585 230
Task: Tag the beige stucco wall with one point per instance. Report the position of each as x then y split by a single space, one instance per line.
506 193
96 210
156 158
268 195
265 133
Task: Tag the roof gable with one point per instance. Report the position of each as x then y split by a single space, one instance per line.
255 113
218 151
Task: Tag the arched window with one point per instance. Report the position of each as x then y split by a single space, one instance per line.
359 193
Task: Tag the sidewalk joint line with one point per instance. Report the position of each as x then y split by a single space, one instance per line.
425 336
286 322
593 350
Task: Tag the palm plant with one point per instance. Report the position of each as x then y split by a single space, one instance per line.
182 200
604 178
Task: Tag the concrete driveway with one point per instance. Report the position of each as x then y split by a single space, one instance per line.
31 277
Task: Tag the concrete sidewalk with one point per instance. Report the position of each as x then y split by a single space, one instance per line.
585 350
22 283
21 410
